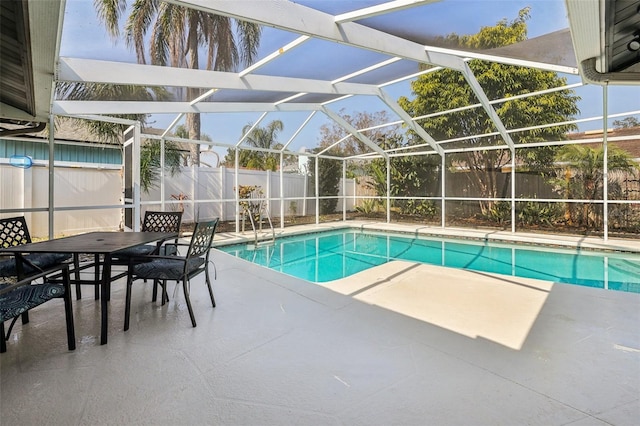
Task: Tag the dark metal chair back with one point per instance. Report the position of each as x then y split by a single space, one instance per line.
161 221
202 238
14 232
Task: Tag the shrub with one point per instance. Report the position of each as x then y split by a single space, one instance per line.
368 206
499 212
534 213
425 208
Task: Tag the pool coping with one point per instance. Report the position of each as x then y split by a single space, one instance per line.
546 240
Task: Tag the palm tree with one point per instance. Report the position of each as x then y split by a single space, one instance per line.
150 162
181 131
177 33
259 137
112 132
583 176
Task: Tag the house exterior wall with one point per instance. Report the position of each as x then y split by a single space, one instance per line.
39 150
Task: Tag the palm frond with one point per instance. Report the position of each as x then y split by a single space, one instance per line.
109 12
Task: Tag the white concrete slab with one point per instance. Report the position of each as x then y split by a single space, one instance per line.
278 350
498 308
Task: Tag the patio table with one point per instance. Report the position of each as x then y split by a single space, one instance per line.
96 243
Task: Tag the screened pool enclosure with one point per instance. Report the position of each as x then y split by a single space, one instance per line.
401 111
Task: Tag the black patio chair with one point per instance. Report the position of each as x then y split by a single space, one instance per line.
14 232
163 268
153 221
18 298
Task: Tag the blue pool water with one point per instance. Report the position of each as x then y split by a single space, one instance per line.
327 256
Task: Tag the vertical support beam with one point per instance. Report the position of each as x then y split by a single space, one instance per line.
237 189
344 190
442 190
355 194
28 199
605 166
162 175
513 190
317 183
268 195
136 177
281 190
52 140
223 192
305 193
194 188
388 189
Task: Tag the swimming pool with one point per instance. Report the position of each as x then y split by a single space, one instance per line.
327 256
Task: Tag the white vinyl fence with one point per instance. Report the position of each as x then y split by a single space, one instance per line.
87 196
214 190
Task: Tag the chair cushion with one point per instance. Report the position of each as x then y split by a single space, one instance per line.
26 297
168 250
166 269
41 260
8 267
143 250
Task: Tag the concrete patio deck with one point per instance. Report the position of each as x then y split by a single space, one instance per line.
398 344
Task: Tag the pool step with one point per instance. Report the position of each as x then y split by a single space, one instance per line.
260 244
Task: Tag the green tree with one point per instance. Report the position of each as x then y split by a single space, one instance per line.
259 137
333 132
329 174
626 123
410 176
448 89
177 34
330 171
582 177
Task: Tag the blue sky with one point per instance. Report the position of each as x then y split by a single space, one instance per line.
85 37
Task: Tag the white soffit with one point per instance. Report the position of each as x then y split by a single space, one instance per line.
585 22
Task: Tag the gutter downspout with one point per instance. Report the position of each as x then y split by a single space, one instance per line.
591 75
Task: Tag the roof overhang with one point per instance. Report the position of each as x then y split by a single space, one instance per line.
28 50
31 29
601 31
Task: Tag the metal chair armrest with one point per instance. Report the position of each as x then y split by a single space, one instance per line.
141 259
27 281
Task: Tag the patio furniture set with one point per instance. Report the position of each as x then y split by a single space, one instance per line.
33 273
